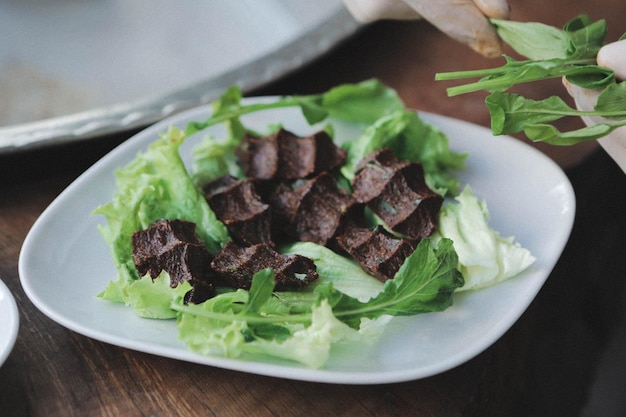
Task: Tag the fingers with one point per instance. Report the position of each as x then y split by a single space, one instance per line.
615 142
613 55
498 9
367 11
462 20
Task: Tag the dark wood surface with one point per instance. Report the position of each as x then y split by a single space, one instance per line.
542 366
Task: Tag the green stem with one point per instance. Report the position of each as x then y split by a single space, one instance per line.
283 102
256 319
492 85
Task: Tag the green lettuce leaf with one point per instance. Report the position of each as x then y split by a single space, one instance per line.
485 258
343 273
410 139
253 323
155 185
212 159
153 299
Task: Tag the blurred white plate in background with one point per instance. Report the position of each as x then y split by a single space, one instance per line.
76 69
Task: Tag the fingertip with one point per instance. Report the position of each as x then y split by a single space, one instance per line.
613 56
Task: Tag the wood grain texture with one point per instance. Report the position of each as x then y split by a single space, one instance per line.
542 366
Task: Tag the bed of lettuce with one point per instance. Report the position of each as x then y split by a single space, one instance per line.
345 305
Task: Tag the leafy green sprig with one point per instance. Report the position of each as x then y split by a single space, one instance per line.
552 53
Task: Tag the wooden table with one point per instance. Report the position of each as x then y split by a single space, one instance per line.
542 366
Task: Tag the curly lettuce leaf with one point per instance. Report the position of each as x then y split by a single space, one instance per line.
153 299
212 159
155 185
485 258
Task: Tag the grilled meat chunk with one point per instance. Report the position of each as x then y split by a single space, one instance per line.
236 265
377 251
285 156
172 246
397 192
314 210
237 204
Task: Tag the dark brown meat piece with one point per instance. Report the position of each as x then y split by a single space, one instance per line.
314 210
237 204
236 265
199 292
172 246
377 251
397 192
285 156
152 244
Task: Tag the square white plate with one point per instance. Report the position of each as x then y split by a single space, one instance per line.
64 262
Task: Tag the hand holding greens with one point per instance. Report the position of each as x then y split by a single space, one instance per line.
553 53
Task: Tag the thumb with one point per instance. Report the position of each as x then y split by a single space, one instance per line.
613 56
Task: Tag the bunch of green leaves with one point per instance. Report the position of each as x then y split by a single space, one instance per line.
552 53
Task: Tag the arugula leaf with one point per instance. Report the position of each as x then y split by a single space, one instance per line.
425 282
611 102
533 40
550 134
363 102
512 113
585 37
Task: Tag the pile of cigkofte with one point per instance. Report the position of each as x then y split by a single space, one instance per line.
290 193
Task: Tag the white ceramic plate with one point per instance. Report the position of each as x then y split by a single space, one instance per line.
64 262
9 324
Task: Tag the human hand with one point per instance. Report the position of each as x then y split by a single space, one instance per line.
612 56
463 20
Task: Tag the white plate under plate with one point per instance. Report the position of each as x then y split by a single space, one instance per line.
9 324
64 262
